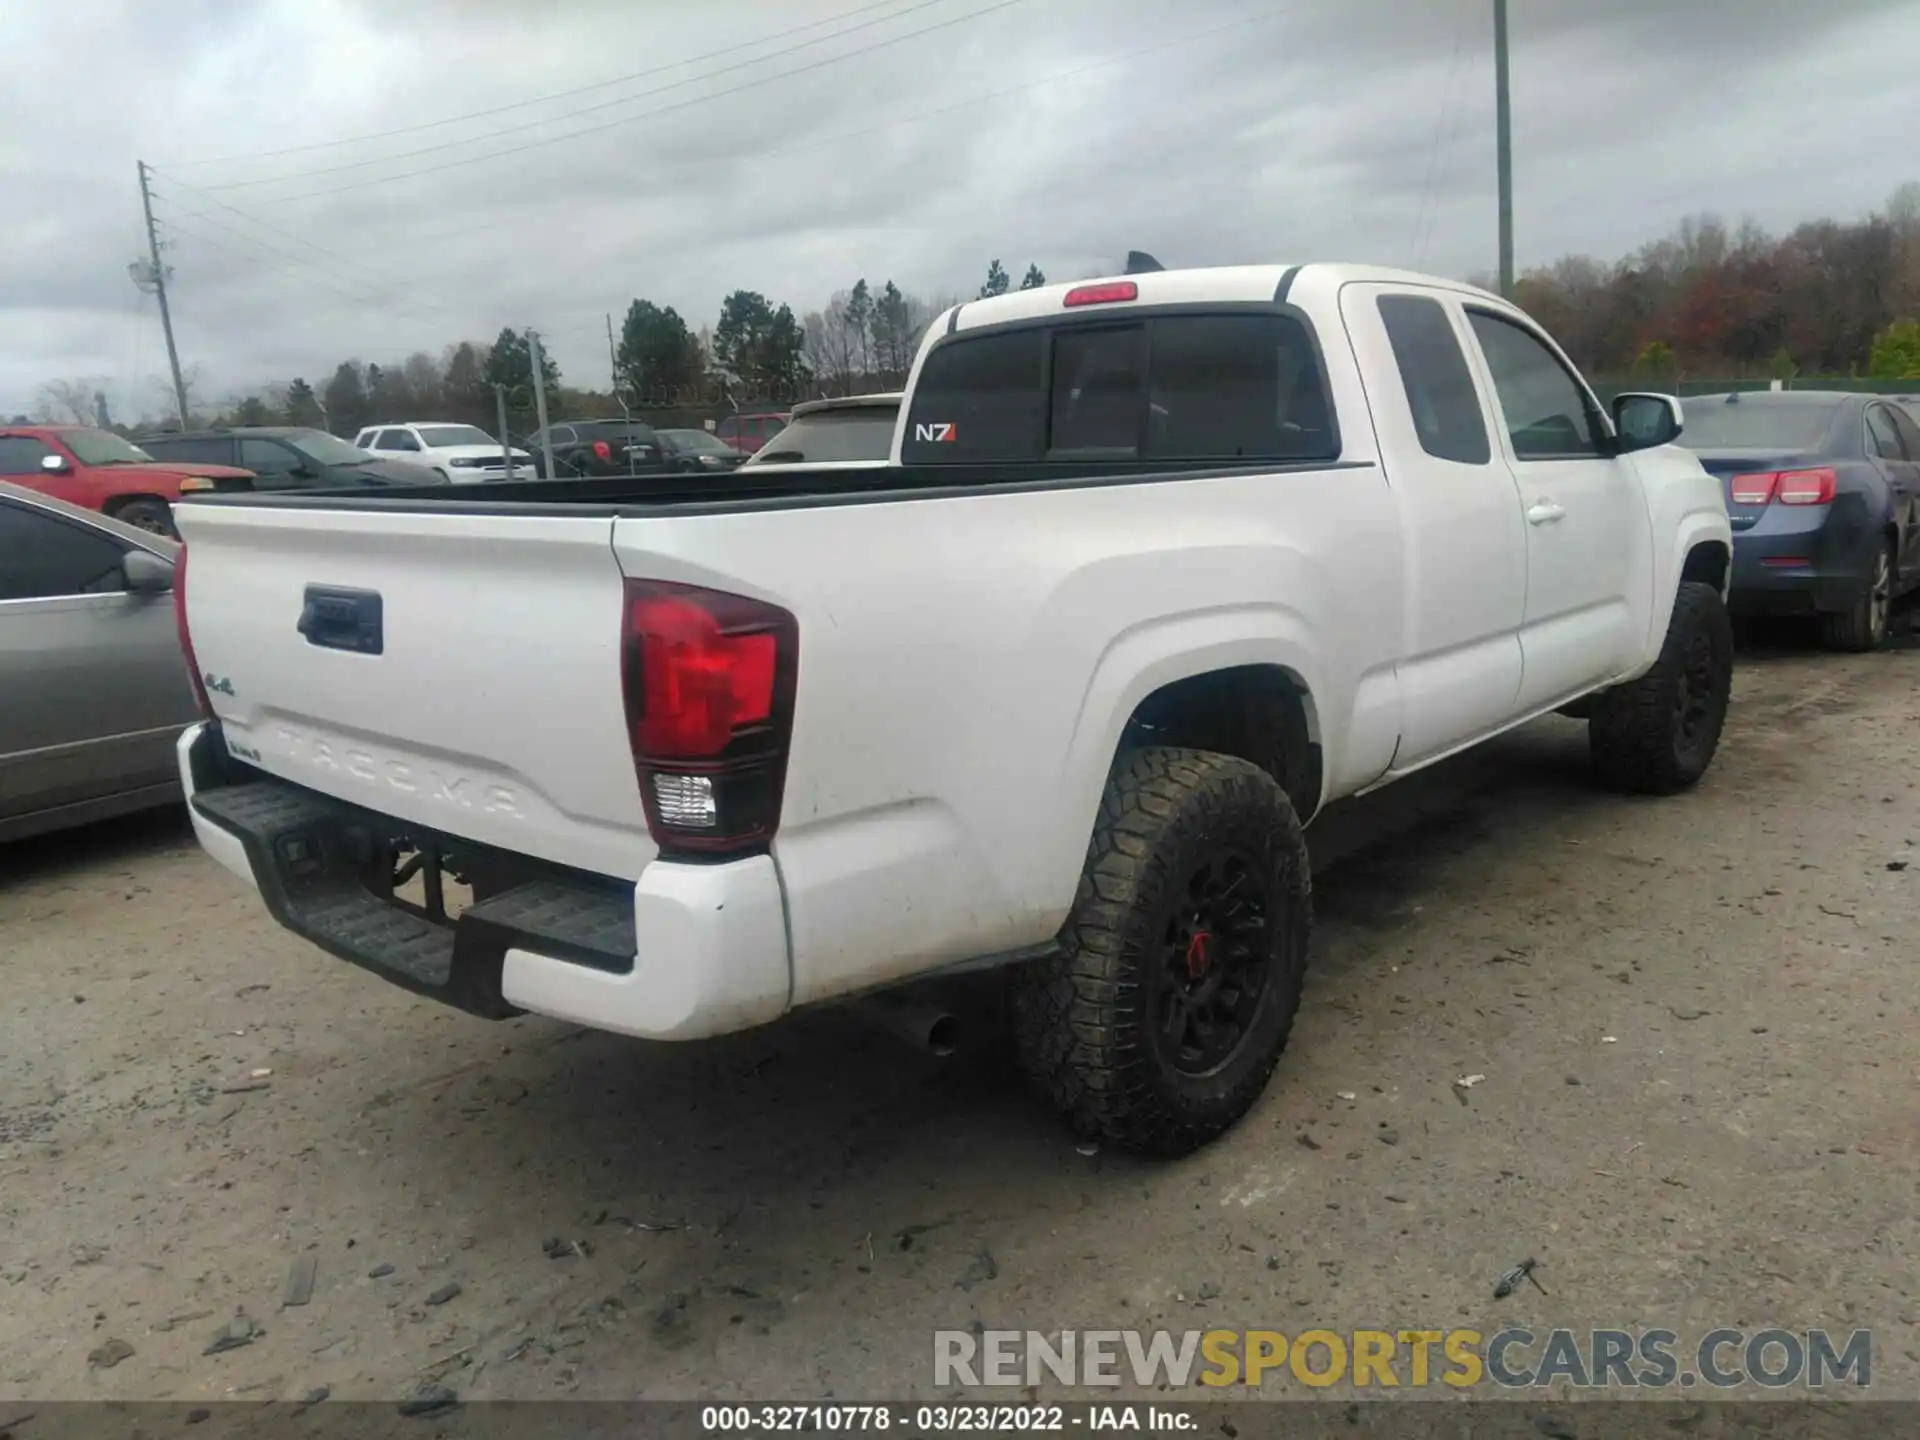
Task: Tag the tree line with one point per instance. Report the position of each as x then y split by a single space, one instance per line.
759 353
1829 298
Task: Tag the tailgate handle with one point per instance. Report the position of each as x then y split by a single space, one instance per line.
342 619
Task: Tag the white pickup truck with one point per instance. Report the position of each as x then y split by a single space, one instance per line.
1161 566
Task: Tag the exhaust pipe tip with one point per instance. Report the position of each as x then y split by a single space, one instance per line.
928 1028
943 1035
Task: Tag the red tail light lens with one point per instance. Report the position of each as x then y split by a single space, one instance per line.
1806 487
603 450
186 640
1790 487
1108 294
708 681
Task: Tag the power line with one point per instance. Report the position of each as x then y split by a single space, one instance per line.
1262 16
1424 219
650 114
527 104
251 218
574 114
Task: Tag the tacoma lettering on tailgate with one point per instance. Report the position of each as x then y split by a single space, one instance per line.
445 787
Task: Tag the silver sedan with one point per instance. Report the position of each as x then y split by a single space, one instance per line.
93 688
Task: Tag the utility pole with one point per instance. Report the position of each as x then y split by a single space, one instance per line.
159 273
540 401
506 446
1503 144
613 358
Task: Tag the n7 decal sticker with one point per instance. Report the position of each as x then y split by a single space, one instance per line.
940 432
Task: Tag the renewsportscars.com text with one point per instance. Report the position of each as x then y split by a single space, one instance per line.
1513 1358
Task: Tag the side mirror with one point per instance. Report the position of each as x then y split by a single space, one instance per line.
55 464
146 573
1643 421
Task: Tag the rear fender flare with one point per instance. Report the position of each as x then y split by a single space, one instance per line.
1142 660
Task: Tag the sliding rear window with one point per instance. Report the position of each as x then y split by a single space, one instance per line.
1173 387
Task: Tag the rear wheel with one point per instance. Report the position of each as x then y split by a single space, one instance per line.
1863 625
152 516
1160 1021
1657 735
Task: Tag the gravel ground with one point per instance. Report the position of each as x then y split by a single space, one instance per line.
1694 1017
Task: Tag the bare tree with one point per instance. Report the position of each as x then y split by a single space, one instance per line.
66 402
836 343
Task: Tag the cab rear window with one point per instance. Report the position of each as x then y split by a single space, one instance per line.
1171 387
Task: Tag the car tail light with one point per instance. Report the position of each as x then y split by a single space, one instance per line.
1102 294
1806 487
708 679
603 450
1789 487
186 640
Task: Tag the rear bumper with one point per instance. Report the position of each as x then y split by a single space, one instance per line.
688 951
1836 544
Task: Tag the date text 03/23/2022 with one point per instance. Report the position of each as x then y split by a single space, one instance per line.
946 1419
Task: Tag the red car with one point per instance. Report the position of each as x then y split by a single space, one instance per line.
97 470
750 432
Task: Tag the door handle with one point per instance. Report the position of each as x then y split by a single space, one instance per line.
1545 512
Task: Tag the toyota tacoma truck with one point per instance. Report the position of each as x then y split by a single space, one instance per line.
1160 567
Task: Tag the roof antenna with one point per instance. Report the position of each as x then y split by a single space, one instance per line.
1141 263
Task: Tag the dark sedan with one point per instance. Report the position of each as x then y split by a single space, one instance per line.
288 457
689 450
1823 489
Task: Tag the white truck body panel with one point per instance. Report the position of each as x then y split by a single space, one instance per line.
968 659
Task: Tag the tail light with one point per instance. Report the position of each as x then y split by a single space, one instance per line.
186 640
708 680
603 450
1789 487
1102 294
1806 487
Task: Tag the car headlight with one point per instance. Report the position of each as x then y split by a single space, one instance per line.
191 483
712 462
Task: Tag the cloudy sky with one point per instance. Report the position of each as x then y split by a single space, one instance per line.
366 178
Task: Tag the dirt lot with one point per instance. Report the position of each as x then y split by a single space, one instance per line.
1695 1018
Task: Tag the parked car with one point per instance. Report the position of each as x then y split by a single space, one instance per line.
1823 488
1171 563
690 450
287 457
93 692
97 470
856 430
598 448
749 432
461 454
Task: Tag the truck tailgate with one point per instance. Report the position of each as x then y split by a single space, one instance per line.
459 671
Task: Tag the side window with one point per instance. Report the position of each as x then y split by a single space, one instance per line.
727 429
1440 389
402 440
1547 413
265 457
387 440
1909 431
1099 379
21 455
979 398
1883 439
1233 387
43 556
364 440
216 451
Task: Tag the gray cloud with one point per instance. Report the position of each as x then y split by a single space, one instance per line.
1247 130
